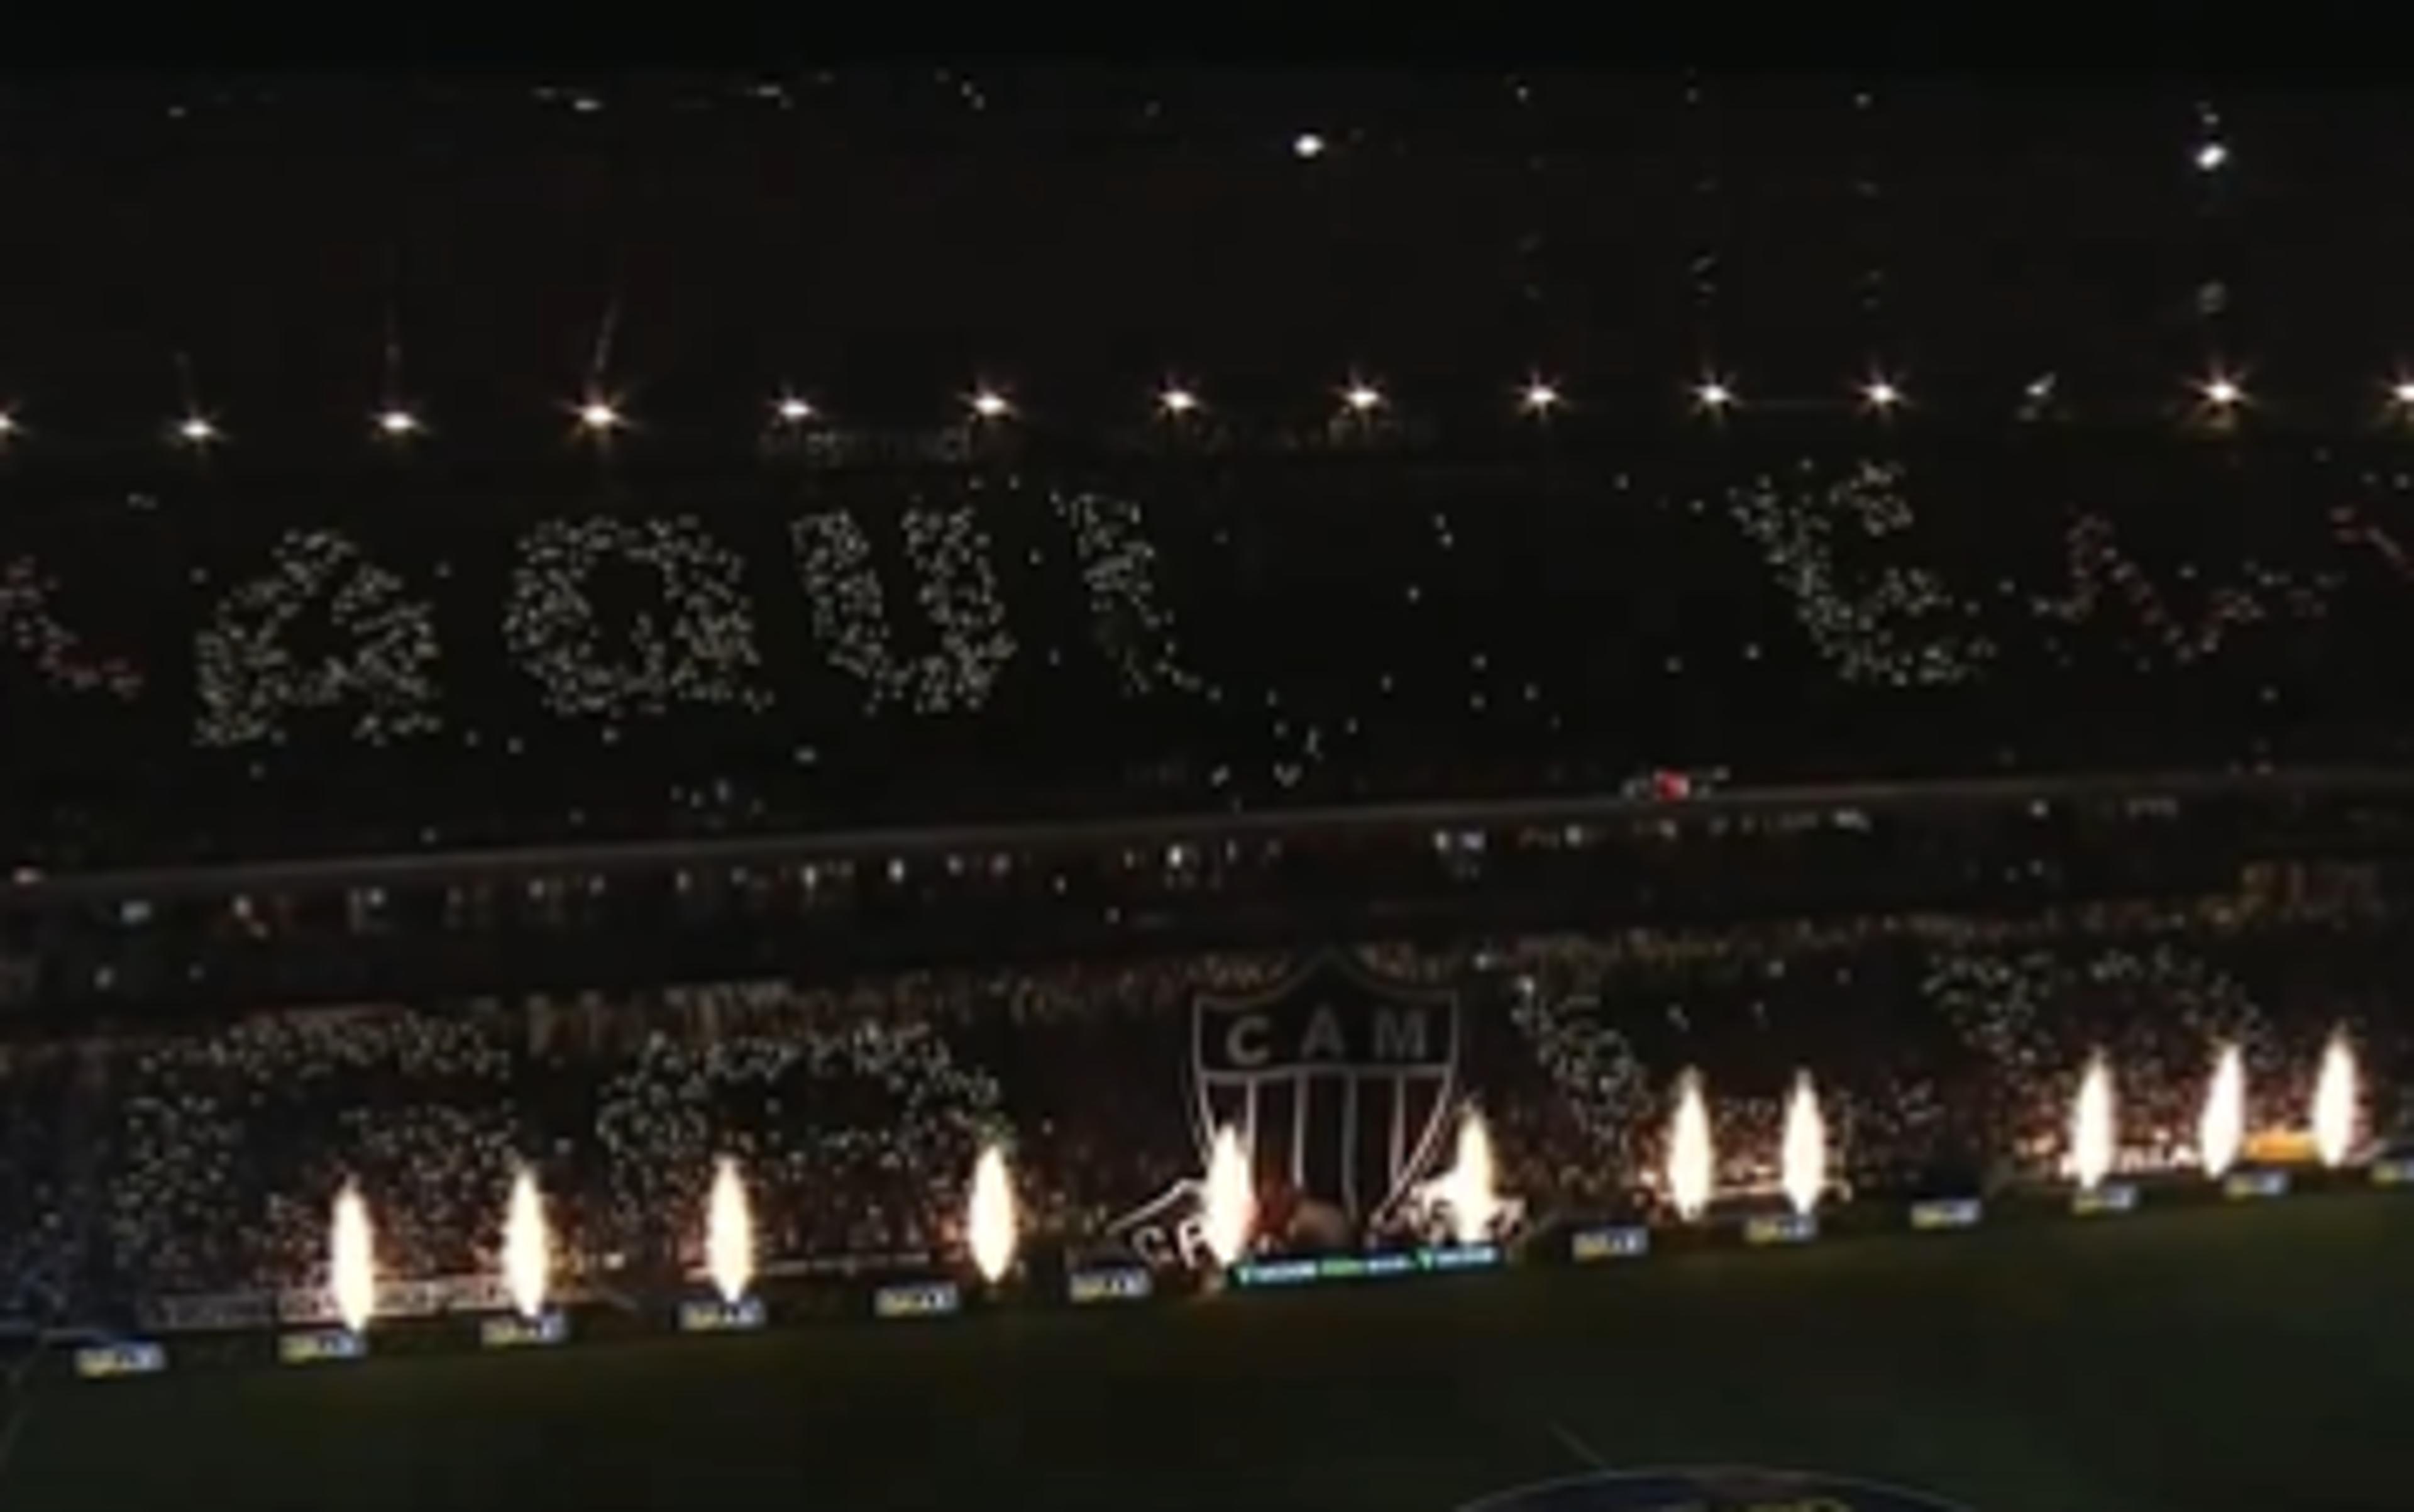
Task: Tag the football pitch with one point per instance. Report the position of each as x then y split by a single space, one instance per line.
2253 1357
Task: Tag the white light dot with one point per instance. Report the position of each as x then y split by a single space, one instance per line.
1361 396
2221 393
1177 401
1881 393
8 425
599 415
792 410
1308 144
1711 394
990 405
2402 391
2040 388
196 430
399 422
1540 397
2211 155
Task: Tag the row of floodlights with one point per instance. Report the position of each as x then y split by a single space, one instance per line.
599 415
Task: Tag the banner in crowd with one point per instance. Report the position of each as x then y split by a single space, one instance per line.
1342 1087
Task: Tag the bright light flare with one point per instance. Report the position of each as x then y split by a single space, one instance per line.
1881 395
1177 401
992 1220
600 417
196 430
2221 392
351 1264
1231 1199
1690 1158
528 1247
2335 1099
1804 1162
398 424
2092 1136
1539 397
1468 1186
988 404
792 410
729 1233
1712 397
2221 1132
1363 399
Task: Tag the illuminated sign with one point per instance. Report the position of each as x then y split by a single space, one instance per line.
2112 1197
1947 1213
710 1315
2248 1186
107 1362
919 1299
321 1346
1781 1228
511 1331
1616 1241
1116 1283
1260 1273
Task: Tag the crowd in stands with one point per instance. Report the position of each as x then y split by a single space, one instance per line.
1788 615
1946 1049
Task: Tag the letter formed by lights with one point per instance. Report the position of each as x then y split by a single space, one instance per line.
1128 622
1894 629
249 680
2105 580
701 651
29 628
958 594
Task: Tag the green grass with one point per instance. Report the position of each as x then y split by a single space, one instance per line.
2251 1357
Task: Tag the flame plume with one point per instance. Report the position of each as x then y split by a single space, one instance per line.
2334 1102
352 1268
729 1233
1232 1200
2222 1131
1805 1156
992 1219
1690 1158
2092 1126
1468 1186
528 1249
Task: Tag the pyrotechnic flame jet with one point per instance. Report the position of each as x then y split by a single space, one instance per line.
729 1233
2222 1131
527 1247
352 1268
2092 1136
1805 1156
1690 1158
2334 1102
1232 1200
1468 1188
992 1220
